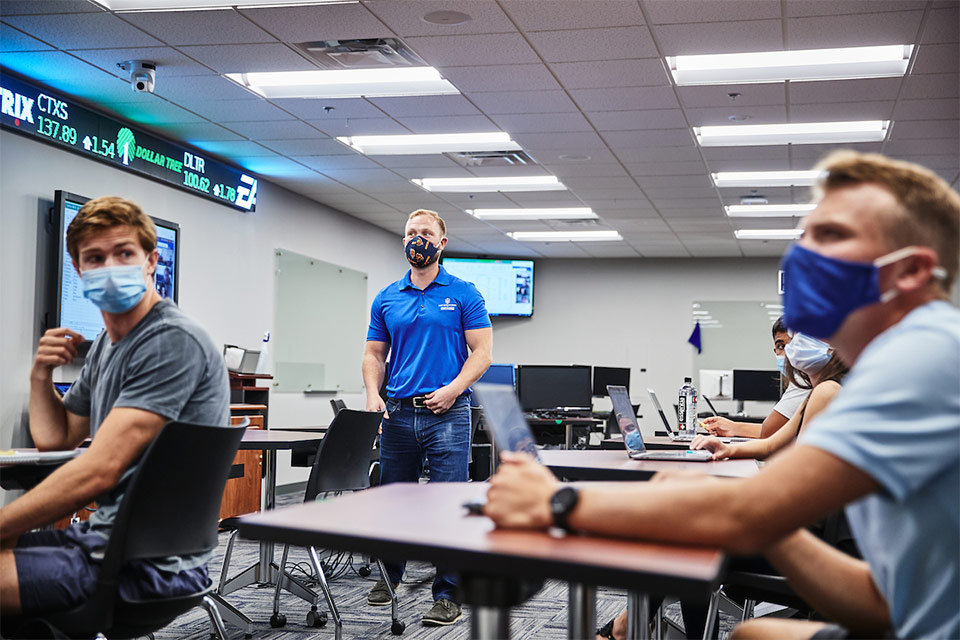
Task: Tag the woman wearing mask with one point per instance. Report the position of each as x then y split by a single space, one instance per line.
810 365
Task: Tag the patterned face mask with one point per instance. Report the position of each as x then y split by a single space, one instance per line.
421 252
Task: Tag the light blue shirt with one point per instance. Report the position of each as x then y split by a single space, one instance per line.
898 419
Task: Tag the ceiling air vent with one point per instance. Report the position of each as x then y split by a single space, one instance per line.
369 53
492 159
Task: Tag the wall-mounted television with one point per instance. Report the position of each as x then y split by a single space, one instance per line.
506 285
72 309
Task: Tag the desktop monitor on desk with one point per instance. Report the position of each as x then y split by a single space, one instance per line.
612 376
749 384
499 374
554 387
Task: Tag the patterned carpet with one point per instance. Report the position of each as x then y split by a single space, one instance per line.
543 617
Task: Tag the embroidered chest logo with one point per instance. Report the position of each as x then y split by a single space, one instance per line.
447 305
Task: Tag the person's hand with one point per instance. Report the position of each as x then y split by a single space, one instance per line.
442 399
376 403
520 492
718 426
57 347
713 445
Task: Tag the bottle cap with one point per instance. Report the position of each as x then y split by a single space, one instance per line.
688 379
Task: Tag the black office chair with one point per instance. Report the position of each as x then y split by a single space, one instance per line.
342 463
336 404
171 508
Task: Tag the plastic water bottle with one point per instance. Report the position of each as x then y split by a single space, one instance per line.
687 407
263 361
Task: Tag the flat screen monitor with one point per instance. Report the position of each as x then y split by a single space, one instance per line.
554 387
506 285
75 311
616 376
499 374
749 384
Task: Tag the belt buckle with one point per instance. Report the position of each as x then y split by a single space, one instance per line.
419 402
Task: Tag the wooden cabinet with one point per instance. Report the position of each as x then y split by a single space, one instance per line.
241 495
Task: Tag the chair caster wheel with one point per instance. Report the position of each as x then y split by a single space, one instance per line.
316 619
397 627
278 620
364 571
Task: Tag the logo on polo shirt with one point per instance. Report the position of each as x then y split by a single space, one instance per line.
447 305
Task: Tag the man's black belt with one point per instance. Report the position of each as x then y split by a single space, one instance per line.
418 402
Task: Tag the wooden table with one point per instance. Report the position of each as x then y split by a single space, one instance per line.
428 522
615 465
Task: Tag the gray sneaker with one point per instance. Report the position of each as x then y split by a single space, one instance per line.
442 613
379 595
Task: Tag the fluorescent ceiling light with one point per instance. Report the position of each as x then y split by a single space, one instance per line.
565 236
768 210
791 133
768 234
766 178
431 143
346 83
204 5
701 313
486 185
776 66
567 213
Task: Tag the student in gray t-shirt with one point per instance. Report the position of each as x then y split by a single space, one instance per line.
150 366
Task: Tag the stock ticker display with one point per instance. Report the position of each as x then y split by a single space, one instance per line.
52 118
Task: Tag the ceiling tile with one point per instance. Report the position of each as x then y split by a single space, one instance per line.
586 140
324 163
573 157
230 148
425 162
454 171
156 112
611 73
13 40
932 85
582 45
652 183
589 195
648 138
199 27
182 90
548 15
636 120
190 131
745 153
402 107
82 30
473 50
925 129
610 250
665 154
747 95
518 77
766 114
449 124
20 7
625 99
860 30
238 110
319 22
170 62
941 25
334 127
583 182
329 109
840 111
672 12
275 129
937 58
587 170
666 168
926 109
405 18
247 58
719 37
535 123
802 8
750 164
525 102
816 151
911 147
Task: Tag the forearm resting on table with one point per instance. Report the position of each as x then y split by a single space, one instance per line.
838 586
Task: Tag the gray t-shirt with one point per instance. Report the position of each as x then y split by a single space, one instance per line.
166 365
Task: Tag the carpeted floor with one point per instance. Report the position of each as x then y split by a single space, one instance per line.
543 617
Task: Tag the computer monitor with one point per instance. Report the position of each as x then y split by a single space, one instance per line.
761 385
554 387
613 376
499 374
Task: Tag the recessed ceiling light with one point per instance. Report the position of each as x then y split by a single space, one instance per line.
447 18
121 6
766 178
483 185
564 213
792 133
777 66
768 210
565 236
768 234
430 143
346 83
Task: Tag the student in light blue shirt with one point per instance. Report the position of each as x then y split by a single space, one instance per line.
871 275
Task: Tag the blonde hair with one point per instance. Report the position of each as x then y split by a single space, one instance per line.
929 212
107 212
430 214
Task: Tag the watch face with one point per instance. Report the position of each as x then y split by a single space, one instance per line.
563 501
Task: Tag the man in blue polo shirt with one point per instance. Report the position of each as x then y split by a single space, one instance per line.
426 321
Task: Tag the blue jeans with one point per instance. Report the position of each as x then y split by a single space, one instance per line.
409 435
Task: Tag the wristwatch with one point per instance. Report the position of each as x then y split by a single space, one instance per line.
562 504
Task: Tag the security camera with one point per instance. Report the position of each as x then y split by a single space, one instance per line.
143 75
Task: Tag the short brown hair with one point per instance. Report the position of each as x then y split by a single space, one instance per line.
430 214
107 212
929 213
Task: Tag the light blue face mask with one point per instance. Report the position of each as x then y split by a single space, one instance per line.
782 364
114 289
807 354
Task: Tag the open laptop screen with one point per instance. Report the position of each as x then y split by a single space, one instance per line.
504 419
626 419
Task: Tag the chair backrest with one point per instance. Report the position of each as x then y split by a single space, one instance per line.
337 404
343 459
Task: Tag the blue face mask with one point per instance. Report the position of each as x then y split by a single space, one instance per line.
114 289
820 292
421 252
807 354
782 364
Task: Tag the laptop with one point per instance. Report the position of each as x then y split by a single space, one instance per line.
684 437
627 421
504 418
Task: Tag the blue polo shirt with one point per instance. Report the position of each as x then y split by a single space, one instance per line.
425 331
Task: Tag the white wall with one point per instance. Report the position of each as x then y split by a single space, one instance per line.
226 263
